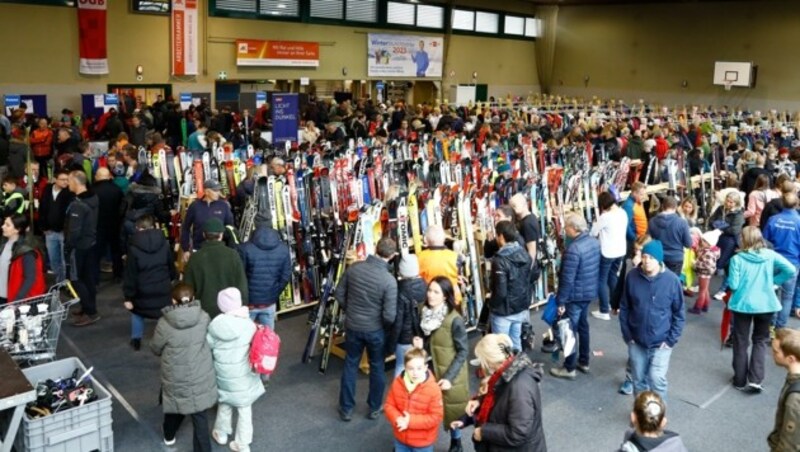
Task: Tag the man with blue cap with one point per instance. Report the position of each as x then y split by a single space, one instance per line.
651 318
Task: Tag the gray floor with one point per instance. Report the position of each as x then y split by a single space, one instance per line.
298 413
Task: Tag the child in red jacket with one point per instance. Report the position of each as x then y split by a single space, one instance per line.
414 405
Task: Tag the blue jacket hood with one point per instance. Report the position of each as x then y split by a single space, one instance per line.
673 232
266 238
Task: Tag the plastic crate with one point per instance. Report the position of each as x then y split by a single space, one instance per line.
78 429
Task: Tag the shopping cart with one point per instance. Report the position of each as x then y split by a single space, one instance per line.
29 328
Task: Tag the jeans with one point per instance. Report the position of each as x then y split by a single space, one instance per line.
82 273
137 326
354 344
609 277
576 312
788 292
649 368
264 316
54 242
244 423
751 370
400 447
510 325
399 353
202 438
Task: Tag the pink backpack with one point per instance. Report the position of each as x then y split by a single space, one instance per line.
264 350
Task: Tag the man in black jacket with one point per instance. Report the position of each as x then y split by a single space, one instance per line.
80 237
511 289
109 219
52 215
367 293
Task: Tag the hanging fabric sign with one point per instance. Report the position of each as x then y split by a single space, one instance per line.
184 37
92 37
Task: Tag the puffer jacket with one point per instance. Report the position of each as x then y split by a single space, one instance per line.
411 293
515 422
424 404
368 294
667 442
752 276
511 289
229 337
651 309
580 271
267 266
188 381
706 262
149 271
734 220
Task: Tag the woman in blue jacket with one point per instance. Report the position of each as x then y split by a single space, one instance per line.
752 275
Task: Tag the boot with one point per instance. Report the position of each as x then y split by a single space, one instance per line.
455 445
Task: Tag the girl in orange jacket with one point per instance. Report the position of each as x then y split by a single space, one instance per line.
414 405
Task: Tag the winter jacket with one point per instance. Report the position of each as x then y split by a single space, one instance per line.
662 148
511 288
637 219
138 135
424 404
786 436
734 219
515 422
149 272
211 269
267 265
783 231
667 442
143 199
17 152
53 212
196 216
635 148
756 202
750 177
411 293
110 208
80 229
651 309
440 261
772 208
752 276
580 271
3 150
26 272
448 347
705 263
188 381
673 232
41 141
15 202
229 337
368 294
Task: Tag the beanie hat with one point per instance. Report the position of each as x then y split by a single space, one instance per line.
503 168
213 226
654 249
408 267
229 300
712 237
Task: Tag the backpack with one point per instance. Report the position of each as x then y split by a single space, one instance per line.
264 350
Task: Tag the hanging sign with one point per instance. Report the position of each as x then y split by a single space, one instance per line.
285 116
184 37
251 52
404 56
92 37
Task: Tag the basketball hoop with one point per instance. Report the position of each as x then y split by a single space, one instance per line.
728 86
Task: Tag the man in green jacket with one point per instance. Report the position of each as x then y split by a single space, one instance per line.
786 352
214 267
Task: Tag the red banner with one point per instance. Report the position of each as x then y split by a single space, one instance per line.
184 37
92 36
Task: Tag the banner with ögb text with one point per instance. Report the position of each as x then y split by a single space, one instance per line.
92 37
184 37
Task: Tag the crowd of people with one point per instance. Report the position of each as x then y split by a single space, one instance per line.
76 214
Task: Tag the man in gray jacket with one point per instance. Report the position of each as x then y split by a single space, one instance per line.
367 293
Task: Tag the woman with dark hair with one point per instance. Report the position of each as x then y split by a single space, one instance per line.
758 199
445 336
649 419
21 263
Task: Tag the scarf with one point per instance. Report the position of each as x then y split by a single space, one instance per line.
432 318
488 400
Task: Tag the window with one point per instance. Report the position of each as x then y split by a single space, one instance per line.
151 6
362 10
327 9
533 27
245 6
430 16
288 8
463 20
400 13
486 22
514 25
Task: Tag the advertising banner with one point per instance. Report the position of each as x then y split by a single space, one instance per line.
11 103
251 52
404 56
110 101
261 99
92 37
285 118
184 37
186 101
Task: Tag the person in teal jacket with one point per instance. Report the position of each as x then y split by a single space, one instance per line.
229 337
753 274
